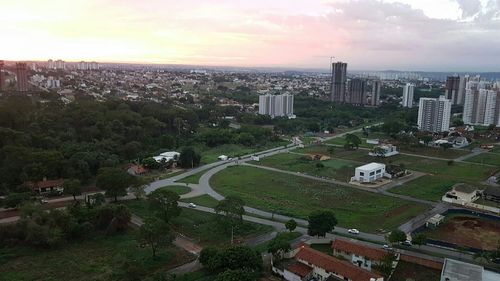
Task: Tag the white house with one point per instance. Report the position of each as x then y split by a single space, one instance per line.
385 150
462 194
370 173
223 157
167 156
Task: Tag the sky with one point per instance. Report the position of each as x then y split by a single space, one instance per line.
431 35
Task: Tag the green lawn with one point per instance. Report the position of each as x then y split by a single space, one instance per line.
202 200
298 197
202 227
102 258
486 158
209 155
496 149
179 189
435 152
334 168
427 187
342 141
194 179
465 172
288 236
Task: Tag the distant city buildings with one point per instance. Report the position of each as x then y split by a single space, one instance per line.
356 91
374 94
482 104
276 105
58 64
338 82
434 114
87 65
408 91
22 76
452 89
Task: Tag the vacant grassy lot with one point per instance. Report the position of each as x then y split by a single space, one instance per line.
334 168
468 231
102 258
428 187
209 155
410 271
342 141
202 200
195 179
298 197
434 152
464 172
486 158
496 149
203 227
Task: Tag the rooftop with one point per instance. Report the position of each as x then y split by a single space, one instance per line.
457 270
358 249
464 188
299 269
371 166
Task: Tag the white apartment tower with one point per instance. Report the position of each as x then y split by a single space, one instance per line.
482 104
408 95
276 105
434 114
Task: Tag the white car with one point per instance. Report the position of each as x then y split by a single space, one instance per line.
387 247
192 205
353 231
407 243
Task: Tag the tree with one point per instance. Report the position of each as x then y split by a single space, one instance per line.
446 145
426 139
237 257
155 233
138 191
232 207
420 239
150 163
352 141
397 236
291 225
378 151
164 203
236 275
321 222
72 187
114 181
14 200
278 246
189 158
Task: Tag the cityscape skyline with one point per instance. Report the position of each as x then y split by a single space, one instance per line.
371 35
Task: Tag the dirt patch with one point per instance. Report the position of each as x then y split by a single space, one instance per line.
396 212
320 157
469 231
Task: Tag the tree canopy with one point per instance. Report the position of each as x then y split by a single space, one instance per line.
321 222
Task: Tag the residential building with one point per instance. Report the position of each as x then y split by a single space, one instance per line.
338 82
167 156
462 193
2 76
482 104
464 79
384 150
408 95
492 193
356 91
22 76
46 186
374 94
358 254
434 114
369 173
452 89
307 263
276 105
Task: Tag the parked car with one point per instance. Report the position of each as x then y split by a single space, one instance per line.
353 231
407 243
44 201
192 205
387 247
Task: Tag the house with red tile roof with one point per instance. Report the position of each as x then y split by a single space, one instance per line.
306 263
46 186
359 254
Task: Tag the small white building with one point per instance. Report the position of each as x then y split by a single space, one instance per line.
385 150
167 156
222 158
462 194
369 173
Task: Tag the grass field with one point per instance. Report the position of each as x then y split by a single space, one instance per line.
428 187
468 231
334 168
464 172
234 150
194 179
496 149
342 141
295 196
486 158
178 189
434 152
409 271
203 227
102 258
287 236
202 200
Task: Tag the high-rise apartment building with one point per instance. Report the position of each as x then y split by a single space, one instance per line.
482 104
434 114
338 82
276 105
464 79
356 91
408 95
2 76
374 94
453 89
22 76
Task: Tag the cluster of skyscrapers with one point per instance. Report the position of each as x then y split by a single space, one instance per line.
21 76
83 65
434 114
276 105
356 91
482 103
57 64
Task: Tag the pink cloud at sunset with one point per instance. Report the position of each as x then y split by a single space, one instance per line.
369 34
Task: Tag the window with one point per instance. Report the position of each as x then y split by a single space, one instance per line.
379 171
372 173
361 173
